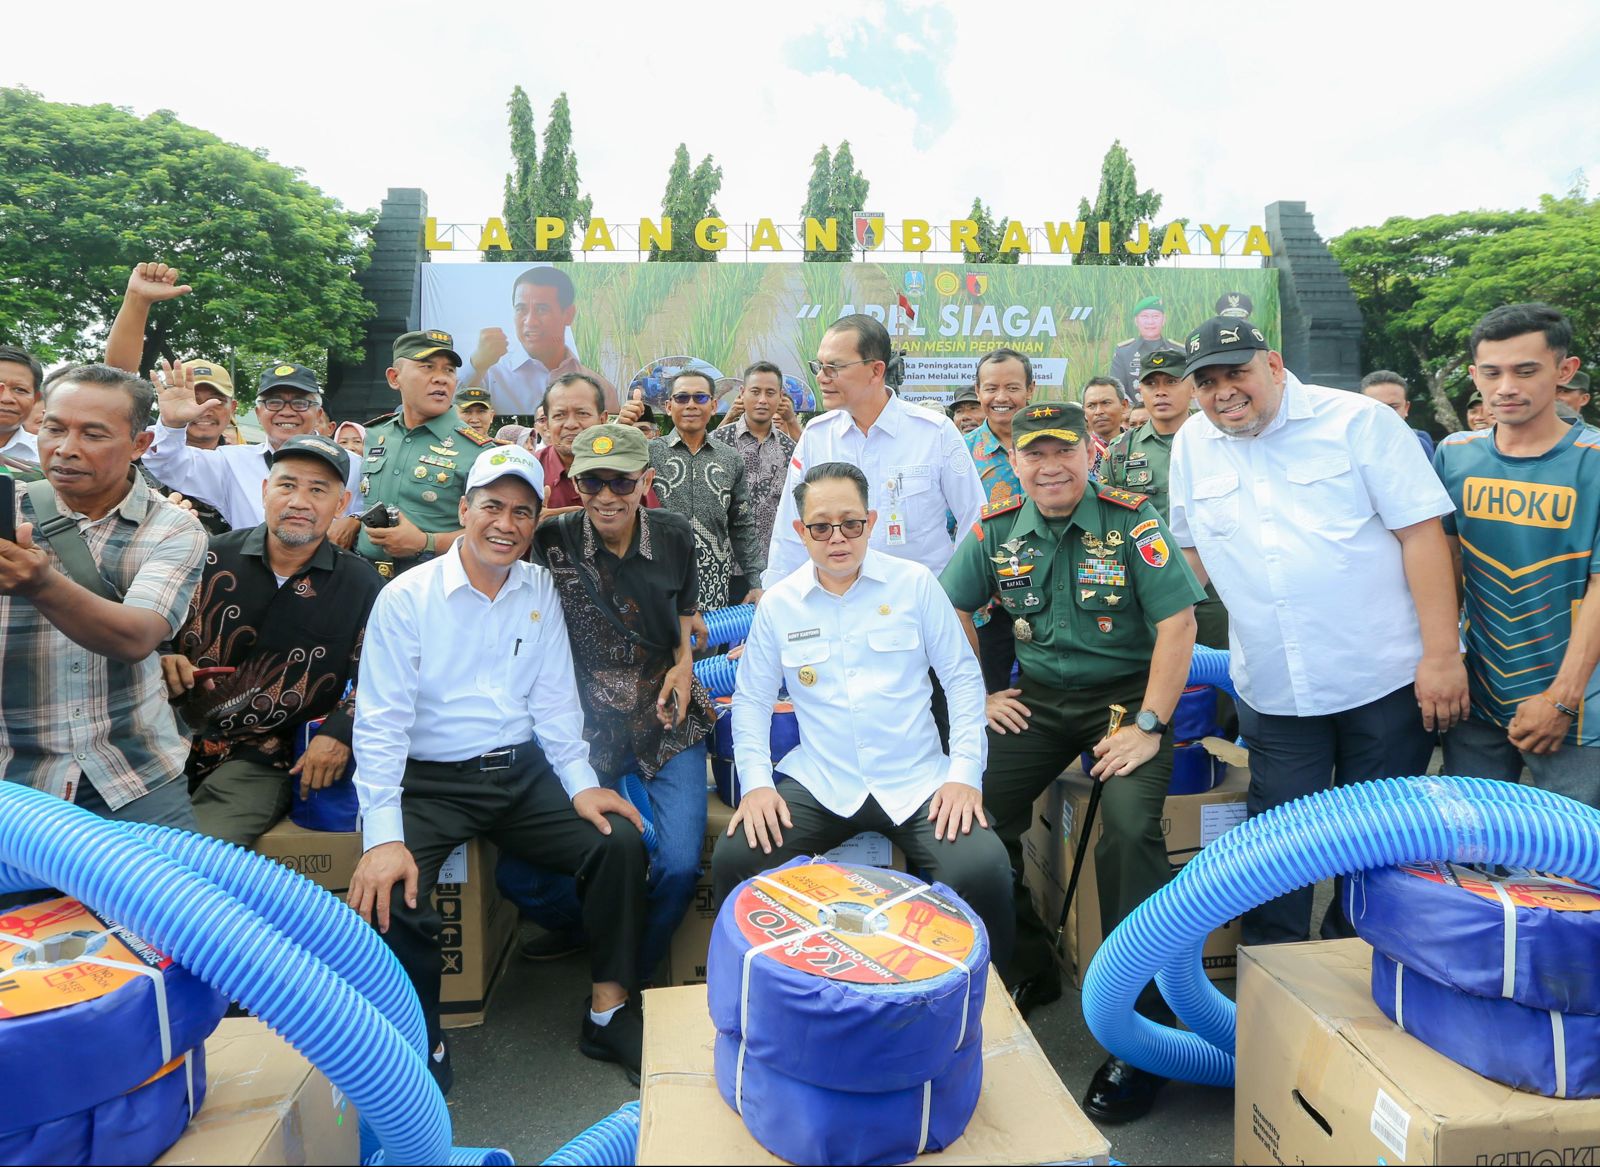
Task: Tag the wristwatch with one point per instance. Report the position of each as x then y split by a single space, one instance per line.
1150 723
429 544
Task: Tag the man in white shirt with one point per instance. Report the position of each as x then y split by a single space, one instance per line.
21 374
467 725
1316 515
516 375
288 404
853 634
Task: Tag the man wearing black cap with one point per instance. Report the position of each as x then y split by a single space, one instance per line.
417 459
288 404
1317 517
1237 305
283 609
476 410
1101 606
1149 318
966 410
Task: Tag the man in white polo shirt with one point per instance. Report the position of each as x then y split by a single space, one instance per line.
1316 515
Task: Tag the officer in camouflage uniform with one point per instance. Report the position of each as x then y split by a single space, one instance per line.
1138 460
1101 604
1127 359
418 458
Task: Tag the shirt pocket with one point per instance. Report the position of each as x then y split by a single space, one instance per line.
1216 506
1327 489
909 481
805 652
893 639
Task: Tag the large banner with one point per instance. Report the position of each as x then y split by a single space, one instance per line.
637 324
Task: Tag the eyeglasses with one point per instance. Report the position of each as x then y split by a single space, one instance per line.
685 398
831 371
621 487
298 404
822 532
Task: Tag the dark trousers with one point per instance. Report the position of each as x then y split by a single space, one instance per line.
1291 757
524 811
997 651
974 864
1131 856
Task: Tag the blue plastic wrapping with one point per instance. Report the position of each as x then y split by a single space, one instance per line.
1196 714
334 807
806 1123
1528 937
1539 1050
784 737
804 1009
133 1127
1194 770
122 1028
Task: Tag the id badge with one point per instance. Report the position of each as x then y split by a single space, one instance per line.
896 533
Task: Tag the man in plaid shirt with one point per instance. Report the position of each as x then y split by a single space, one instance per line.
83 707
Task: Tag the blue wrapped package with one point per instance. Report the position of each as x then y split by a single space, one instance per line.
785 736
806 1123
135 1127
1539 1050
335 807
851 978
89 1012
1507 932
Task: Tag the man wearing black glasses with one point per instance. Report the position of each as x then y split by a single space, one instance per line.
288 404
705 482
627 581
854 633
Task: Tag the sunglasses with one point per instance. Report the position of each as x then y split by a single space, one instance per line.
822 532
686 398
589 484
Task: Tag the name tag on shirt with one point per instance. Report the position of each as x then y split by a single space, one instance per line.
805 634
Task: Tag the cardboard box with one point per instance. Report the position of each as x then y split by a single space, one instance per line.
1189 822
265 1104
1024 1115
686 959
1324 1077
478 922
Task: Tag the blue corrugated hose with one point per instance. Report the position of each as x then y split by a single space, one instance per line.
1333 832
716 673
727 625
611 1142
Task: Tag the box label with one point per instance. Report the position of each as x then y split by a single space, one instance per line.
454 867
1218 819
1390 1123
868 849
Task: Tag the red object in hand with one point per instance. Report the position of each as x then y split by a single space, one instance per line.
212 674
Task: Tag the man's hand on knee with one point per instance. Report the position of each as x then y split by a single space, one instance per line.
760 813
595 803
373 882
954 805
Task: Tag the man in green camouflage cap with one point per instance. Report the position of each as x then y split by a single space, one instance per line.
1102 607
417 458
1139 460
1149 318
475 408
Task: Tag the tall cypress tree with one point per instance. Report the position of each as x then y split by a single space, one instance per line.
690 196
818 197
558 184
836 191
1121 203
517 205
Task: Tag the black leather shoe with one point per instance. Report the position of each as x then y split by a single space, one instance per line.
1120 1092
620 1040
1036 991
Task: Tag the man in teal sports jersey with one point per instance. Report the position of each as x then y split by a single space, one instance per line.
1526 535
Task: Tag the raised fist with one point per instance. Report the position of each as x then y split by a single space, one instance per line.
155 281
492 346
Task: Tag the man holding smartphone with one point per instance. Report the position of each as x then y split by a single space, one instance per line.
283 610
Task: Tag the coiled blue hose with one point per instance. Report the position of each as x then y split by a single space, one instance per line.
201 925
726 625
716 673
1209 666
611 1142
1333 832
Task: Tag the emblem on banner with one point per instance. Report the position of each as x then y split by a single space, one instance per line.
916 283
977 284
869 229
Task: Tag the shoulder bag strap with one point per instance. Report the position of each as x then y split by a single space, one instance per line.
61 532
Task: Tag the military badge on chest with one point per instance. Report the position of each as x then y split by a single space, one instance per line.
1139 473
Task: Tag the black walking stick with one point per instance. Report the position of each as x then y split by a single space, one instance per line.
1114 724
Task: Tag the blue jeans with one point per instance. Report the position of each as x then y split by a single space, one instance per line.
678 813
165 806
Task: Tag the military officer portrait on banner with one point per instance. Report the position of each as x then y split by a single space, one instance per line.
417 459
1127 359
1101 605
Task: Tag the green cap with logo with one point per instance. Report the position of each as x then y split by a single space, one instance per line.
1147 303
1169 360
428 342
609 447
1049 419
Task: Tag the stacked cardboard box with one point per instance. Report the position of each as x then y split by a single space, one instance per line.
479 923
1189 822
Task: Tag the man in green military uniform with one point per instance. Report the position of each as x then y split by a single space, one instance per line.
1127 361
1139 460
476 409
417 458
1101 604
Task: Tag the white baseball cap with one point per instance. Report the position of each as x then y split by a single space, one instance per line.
495 463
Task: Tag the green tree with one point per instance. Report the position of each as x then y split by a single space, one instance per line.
990 236
837 190
1121 203
1423 283
690 196
558 185
522 184
86 192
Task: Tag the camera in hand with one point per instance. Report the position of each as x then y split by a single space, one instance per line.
380 515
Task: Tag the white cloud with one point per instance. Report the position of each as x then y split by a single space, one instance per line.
1362 111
